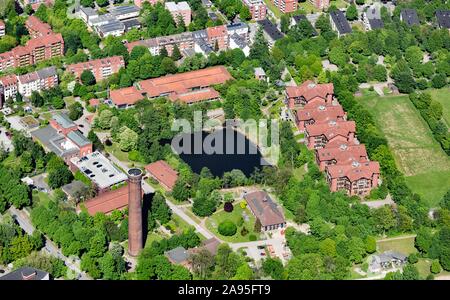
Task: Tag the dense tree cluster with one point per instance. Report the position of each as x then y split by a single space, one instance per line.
431 110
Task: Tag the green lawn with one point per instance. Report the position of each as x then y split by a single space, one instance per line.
41 198
178 224
416 152
69 100
443 96
273 8
213 222
154 236
402 245
115 150
307 7
423 266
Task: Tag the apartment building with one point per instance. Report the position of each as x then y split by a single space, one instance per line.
257 9
101 68
180 9
36 81
338 153
339 23
319 114
2 28
318 135
409 16
286 6
37 28
309 93
9 87
355 178
218 35
271 32
320 4
372 18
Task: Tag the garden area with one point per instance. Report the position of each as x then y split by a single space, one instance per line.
240 221
404 245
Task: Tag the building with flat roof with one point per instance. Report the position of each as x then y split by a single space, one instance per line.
112 28
180 10
125 12
163 173
409 16
265 210
339 23
26 273
99 170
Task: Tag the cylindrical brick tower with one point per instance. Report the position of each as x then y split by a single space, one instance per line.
135 236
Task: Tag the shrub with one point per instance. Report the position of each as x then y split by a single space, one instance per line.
240 221
243 204
412 259
227 228
244 231
228 207
435 267
252 237
108 142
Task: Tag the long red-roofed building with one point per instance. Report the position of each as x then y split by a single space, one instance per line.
163 173
319 114
101 68
179 86
355 178
309 92
107 201
344 154
126 97
318 135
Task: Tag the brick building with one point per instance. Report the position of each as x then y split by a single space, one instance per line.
218 35
319 114
309 92
286 6
101 68
37 28
318 135
180 9
257 9
339 153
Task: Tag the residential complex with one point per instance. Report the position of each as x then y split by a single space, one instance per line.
26 84
180 10
101 68
37 28
333 138
271 32
218 37
258 9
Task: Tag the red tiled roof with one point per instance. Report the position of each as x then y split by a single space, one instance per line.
216 31
321 113
354 171
264 208
184 82
343 154
96 64
129 96
309 90
331 129
195 96
37 25
94 102
21 50
163 173
108 201
47 40
9 80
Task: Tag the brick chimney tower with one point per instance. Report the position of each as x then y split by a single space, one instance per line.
135 236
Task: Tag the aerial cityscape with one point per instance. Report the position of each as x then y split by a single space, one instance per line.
224 140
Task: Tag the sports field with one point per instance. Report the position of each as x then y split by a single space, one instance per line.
417 154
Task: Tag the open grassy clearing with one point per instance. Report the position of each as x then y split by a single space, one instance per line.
416 152
403 245
212 223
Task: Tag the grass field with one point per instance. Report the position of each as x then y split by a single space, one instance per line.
443 96
213 222
402 245
417 154
423 266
